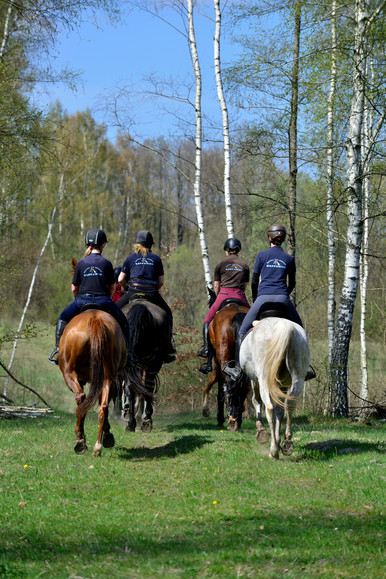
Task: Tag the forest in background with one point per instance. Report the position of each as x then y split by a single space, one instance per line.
61 175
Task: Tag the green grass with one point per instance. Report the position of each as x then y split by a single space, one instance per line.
189 500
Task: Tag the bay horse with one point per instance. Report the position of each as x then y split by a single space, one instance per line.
149 338
221 341
275 355
92 349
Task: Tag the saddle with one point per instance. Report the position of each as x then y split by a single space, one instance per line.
273 310
139 296
229 302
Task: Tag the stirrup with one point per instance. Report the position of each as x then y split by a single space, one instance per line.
232 370
203 352
205 368
171 357
54 356
310 374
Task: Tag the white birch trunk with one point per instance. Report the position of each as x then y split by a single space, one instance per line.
197 179
225 122
331 303
6 30
343 328
32 284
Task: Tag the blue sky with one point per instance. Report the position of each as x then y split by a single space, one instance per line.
111 57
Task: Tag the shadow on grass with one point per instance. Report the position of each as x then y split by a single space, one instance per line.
183 445
329 449
275 542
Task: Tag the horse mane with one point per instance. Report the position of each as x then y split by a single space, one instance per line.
275 352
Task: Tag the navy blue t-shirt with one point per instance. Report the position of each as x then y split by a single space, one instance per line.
273 266
143 269
94 274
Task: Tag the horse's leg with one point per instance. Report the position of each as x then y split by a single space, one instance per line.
108 440
211 380
117 407
130 409
278 412
262 435
287 447
71 379
220 403
102 414
147 422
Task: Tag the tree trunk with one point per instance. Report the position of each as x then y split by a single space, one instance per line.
339 360
292 133
331 303
198 141
225 122
32 284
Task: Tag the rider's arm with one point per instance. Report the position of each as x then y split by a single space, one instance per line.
112 289
255 285
161 280
217 287
75 290
291 277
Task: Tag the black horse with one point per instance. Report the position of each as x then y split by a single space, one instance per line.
149 338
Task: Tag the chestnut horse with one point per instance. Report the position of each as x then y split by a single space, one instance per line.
221 340
275 355
92 349
149 338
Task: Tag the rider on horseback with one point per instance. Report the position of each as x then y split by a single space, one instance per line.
145 274
231 277
269 286
93 282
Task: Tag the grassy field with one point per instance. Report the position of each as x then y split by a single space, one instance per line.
190 500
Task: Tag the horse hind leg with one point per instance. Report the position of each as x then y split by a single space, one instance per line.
207 389
262 435
108 440
287 447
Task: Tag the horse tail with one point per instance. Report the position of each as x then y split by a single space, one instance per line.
275 354
141 323
100 362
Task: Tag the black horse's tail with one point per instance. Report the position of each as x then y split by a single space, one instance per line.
142 329
101 363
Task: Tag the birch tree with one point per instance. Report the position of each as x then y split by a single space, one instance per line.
338 403
330 173
225 122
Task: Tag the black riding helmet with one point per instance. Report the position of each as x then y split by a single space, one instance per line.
145 238
95 237
232 243
277 232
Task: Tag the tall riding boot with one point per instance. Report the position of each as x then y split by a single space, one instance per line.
171 355
232 368
203 351
53 357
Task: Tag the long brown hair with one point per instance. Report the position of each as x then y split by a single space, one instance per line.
138 248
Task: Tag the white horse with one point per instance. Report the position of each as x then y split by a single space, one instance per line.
275 356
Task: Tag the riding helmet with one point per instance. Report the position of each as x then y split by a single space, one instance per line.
145 238
117 271
232 243
277 232
95 237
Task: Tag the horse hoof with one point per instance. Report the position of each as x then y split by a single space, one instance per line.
147 425
206 412
108 440
80 446
273 457
130 428
233 425
97 450
262 436
287 447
